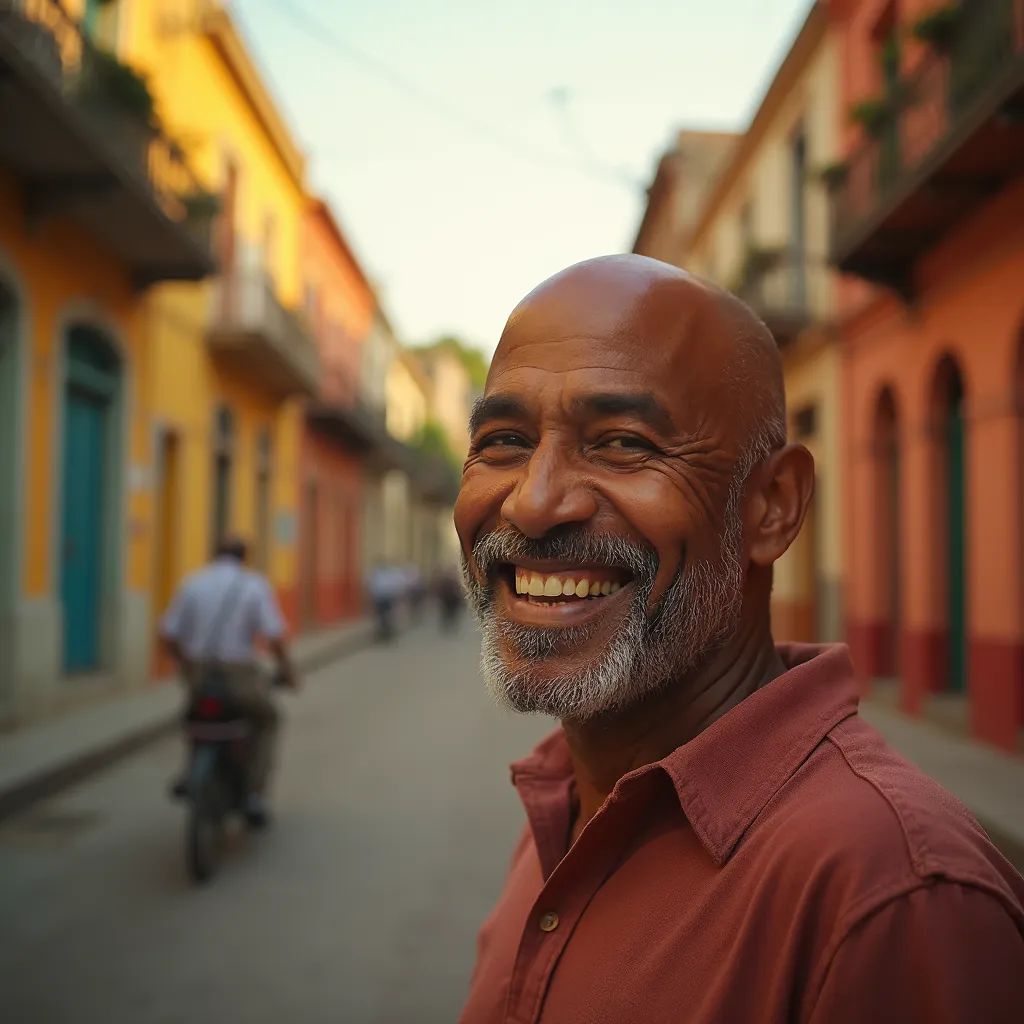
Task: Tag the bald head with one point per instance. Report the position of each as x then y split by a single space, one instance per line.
643 312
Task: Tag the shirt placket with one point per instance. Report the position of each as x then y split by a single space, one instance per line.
563 900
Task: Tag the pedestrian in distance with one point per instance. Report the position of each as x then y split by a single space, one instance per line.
213 624
713 833
449 598
415 593
386 584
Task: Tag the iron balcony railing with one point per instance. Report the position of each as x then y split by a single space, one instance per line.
956 85
787 290
48 37
274 340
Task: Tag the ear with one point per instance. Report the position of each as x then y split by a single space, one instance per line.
777 501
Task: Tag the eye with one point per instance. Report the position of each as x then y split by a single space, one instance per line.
502 439
628 443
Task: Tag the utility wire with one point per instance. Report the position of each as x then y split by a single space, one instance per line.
325 35
560 99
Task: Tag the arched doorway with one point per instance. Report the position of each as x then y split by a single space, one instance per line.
950 439
90 487
887 529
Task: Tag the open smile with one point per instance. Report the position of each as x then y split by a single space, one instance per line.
550 594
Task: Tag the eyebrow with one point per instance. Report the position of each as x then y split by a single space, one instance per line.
640 404
495 407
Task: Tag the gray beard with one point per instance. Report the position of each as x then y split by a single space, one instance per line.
698 614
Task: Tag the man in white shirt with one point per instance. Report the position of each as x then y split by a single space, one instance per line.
216 618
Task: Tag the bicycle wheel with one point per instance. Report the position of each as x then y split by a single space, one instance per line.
204 830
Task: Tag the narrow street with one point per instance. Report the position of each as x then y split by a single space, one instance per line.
394 823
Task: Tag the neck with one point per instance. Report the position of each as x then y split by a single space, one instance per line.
606 748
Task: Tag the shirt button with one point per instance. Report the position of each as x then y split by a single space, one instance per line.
549 922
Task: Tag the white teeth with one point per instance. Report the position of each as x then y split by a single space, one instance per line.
535 585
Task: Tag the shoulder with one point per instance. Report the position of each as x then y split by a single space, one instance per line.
257 583
864 824
195 581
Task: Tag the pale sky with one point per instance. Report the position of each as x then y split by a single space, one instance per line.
471 148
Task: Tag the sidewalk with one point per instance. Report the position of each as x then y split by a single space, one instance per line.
988 781
40 759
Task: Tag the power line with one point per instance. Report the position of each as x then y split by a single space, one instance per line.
325 35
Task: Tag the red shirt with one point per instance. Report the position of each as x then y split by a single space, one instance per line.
784 865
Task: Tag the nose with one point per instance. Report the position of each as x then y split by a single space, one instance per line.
549 493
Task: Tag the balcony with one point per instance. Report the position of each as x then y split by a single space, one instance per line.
782 289
361 428
261 339
81 150
953 138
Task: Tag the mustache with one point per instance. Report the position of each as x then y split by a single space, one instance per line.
507 544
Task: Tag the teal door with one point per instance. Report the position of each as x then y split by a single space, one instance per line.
957 610
88 448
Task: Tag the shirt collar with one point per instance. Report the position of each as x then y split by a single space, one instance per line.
725 776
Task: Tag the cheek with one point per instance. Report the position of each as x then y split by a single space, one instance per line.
671 521
477 506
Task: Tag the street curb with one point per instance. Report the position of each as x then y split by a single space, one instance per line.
47 783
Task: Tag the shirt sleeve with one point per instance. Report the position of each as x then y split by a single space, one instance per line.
271 622
945 954
172 624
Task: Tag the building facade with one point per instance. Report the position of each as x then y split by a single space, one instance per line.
97 203
929 226
231 358
759 226
342 433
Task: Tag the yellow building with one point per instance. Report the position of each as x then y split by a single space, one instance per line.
96 204
229 357
762 231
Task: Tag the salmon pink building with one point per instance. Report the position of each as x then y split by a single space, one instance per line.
929 227
340 306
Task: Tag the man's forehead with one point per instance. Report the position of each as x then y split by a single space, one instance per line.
611 314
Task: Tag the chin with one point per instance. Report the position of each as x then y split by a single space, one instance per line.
562 676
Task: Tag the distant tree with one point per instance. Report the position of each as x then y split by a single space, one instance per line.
472 359
432 442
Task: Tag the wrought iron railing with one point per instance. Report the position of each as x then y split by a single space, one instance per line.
787 289
62 52
253 307
947 88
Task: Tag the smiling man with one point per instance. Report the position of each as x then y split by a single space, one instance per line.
713 833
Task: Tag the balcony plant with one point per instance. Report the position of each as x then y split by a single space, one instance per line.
117 100
109 83
872 114
201 205
201 208
834 174
938 28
